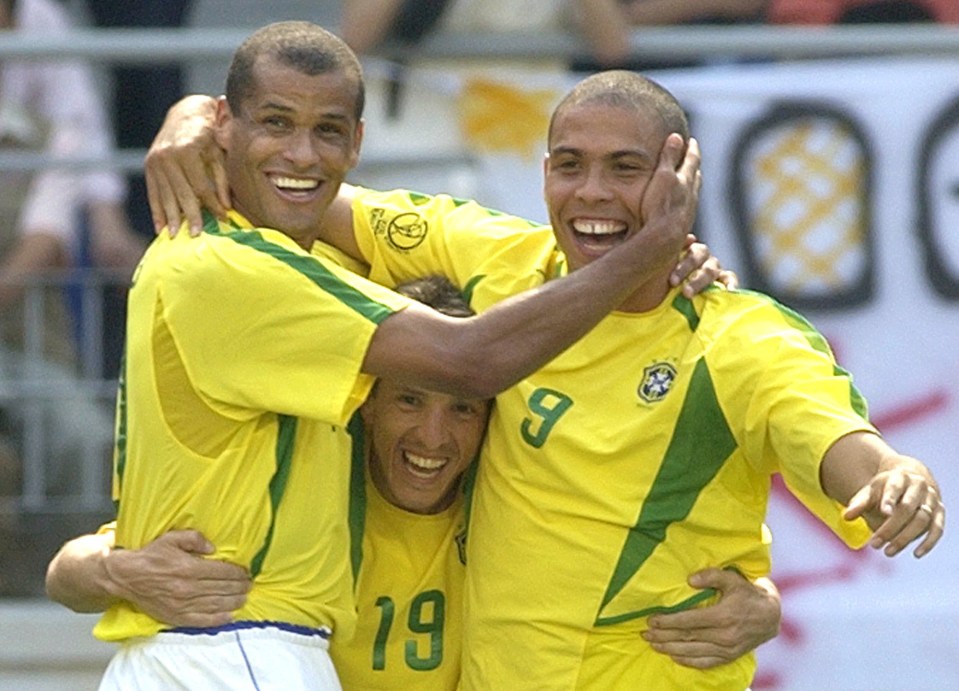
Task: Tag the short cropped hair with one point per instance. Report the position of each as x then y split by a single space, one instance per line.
626 89
439 293
304 46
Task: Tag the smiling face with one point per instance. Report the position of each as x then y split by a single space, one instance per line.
291 144
601 158
421 443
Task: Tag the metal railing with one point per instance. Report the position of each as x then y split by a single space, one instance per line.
193 45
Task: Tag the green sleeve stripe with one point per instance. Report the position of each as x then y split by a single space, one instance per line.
469 489
285 441
684 306
357 508
470 288
309 267
121 432
818 343
701 443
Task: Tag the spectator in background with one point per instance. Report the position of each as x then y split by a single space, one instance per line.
147 90
52 107
366 24
489 86
862 11
137 111
643 13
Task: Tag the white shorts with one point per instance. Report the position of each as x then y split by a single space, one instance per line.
258 656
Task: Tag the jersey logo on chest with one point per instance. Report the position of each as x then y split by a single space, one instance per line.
657 380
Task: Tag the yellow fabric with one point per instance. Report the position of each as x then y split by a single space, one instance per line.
409 600
639 456
242 364
613 500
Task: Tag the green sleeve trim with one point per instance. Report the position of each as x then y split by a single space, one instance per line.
357 507
306 265
120 445
285 442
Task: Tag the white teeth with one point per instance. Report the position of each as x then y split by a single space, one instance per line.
598 227
295 183
424 463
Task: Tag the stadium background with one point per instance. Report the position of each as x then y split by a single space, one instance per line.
833 185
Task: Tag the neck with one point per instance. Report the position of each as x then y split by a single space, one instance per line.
649 295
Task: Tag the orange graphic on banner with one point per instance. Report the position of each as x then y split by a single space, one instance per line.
497 117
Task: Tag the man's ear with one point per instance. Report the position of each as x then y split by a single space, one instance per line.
357 143
366 410
222 122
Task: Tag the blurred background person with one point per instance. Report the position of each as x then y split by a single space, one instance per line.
366 24
147 90
52 220
862 11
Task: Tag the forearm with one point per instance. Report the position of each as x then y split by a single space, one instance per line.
896 494
77 576
666 12
33 255
481 356
851 462
605 27
364 24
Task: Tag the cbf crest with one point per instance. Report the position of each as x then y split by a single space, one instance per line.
657 380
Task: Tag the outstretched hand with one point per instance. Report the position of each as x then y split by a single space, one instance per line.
172 580
901 504
746 616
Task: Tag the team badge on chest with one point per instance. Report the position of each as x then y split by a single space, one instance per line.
657 381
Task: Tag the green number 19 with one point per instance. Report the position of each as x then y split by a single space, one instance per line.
427 616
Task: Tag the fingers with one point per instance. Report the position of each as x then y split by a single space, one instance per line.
187 540
671 156
184 167
728 278
217 166
746 615
199 610
691 162
908 507
700 269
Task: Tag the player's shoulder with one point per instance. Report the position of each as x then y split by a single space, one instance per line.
752 314
441 209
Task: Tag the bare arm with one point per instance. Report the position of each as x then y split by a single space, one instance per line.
365 23
665 12
605 27
481 356
896 494
169 579
33 254
746 616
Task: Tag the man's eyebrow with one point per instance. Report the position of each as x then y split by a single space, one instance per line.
565 150
621 153
270 105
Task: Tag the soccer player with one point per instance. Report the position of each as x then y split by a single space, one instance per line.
411 448
246 354
247 351
643 453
